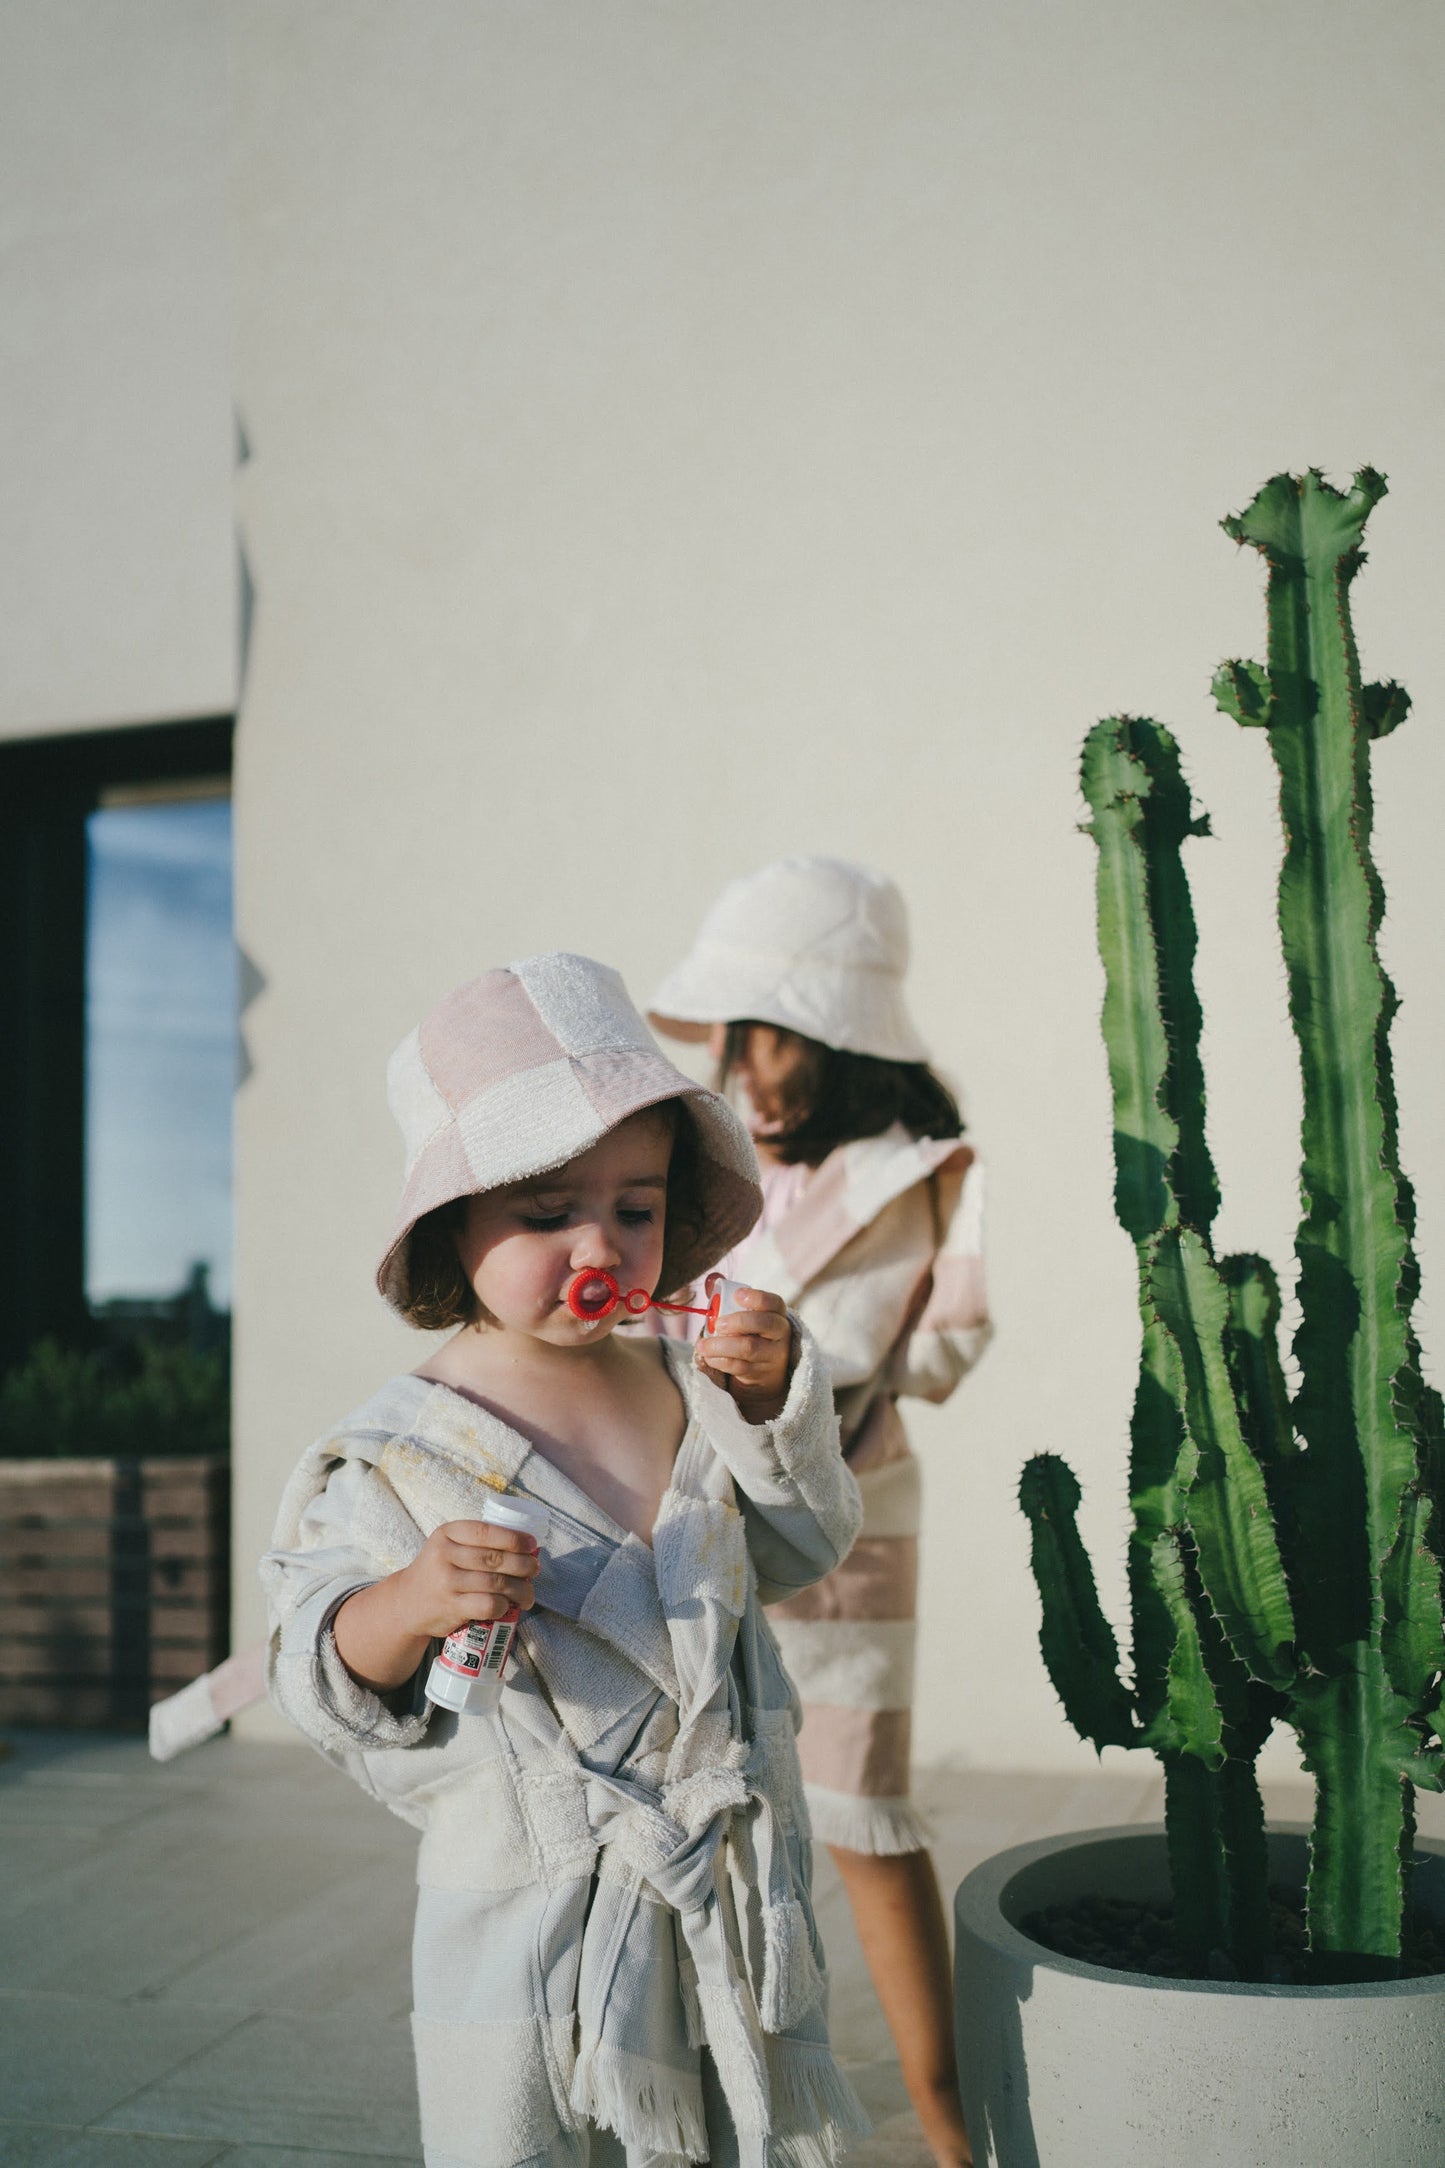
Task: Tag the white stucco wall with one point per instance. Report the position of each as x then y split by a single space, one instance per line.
117 543
686 434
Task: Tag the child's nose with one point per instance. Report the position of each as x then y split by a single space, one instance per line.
594 1247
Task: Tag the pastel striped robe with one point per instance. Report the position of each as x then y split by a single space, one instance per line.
882 1258
614 1868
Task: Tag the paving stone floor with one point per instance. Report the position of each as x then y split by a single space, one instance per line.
179 1987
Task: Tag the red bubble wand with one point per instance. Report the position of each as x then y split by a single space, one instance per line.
594 1295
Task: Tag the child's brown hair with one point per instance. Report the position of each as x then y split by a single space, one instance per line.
833 1097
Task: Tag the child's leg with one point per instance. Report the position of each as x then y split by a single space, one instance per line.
899 1916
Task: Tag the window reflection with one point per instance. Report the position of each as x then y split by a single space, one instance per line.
160 1058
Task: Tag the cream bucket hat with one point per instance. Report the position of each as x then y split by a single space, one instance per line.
525 1067
813 945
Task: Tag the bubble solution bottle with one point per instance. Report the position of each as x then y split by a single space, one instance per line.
466 1672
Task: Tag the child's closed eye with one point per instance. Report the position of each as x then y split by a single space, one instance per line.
543 1223
637 1215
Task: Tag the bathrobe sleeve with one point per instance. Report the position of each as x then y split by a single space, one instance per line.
341 1528
797 1494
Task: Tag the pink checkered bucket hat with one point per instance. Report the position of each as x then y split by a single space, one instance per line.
525 1067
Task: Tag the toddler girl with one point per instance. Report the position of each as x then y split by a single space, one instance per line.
615 1959
871 1227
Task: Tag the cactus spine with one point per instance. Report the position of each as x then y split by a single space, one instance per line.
1284 1562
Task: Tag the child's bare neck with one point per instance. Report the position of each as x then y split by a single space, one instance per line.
490 1354
607 1414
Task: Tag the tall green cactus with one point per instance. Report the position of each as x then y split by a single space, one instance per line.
1284 1562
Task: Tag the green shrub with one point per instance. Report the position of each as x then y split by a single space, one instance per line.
64 1403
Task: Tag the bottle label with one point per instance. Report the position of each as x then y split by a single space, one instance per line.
480 1648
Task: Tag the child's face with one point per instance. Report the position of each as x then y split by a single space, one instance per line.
522 1245
768 1063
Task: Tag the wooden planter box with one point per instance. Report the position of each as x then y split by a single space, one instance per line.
114 1586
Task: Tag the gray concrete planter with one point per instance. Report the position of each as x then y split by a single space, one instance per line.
1067 2065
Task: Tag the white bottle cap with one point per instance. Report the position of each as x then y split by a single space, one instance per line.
464 1697
508 1510
722 1297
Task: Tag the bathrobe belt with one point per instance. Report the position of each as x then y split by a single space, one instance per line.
674 1841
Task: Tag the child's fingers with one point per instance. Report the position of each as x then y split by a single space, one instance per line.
757 1300
761 1325
494 1589
746 1358
752 1361
736 1353
472 1547
492 1564
485 1536
471 1569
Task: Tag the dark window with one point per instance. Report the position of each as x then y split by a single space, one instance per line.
117 1021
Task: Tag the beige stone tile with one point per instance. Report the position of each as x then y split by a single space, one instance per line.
323 2084
286 2156
897 2143
37 2145
67 2060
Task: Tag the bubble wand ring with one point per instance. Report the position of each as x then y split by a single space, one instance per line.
595 1294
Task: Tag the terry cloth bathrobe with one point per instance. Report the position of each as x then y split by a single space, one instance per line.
882 1258
614 1868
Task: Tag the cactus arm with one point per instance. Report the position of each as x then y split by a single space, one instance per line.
1242 690
1412 1640
1218 1863
1246 1851
1385 707
1355 1734
1198 1866
1142 814
1353 1243
1260 1391
1229 1510
1254 1306
1156 1497
1078 1644
1184 1673
1368 1422
1214 1815
1145 1136
1188 1719
1413 1577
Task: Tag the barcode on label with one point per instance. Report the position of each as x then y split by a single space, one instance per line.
497 1654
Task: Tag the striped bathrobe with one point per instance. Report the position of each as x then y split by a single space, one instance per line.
882 1257
614 1868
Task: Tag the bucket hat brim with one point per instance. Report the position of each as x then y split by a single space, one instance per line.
812 945
522 1069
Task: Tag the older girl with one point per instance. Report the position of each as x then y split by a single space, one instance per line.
871 1230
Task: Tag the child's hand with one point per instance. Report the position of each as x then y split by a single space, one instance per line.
750 1353
466 1570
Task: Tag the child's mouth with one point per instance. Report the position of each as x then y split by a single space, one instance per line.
591 1296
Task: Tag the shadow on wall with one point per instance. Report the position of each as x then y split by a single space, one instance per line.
250 985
